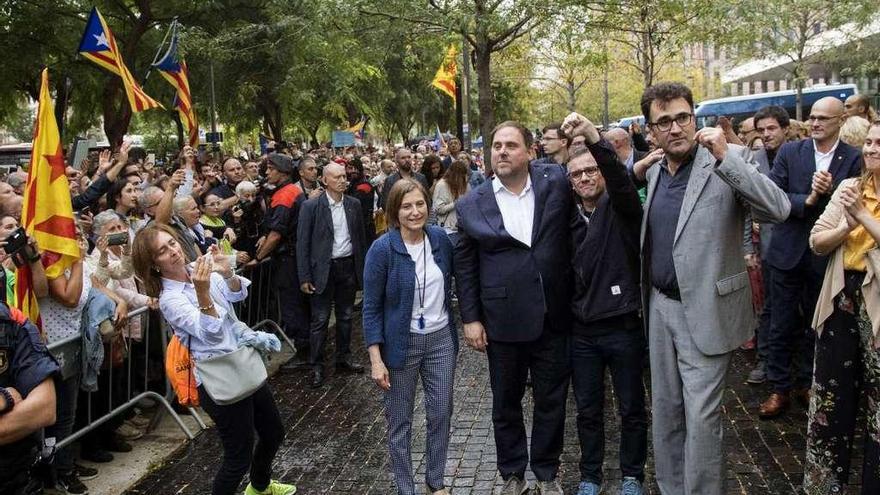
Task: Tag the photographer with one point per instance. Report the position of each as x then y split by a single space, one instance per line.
16 249
27 399
247 216
197 302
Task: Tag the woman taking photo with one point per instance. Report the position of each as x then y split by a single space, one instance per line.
847 319
409 330
197 303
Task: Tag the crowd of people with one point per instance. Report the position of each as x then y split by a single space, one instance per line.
582 252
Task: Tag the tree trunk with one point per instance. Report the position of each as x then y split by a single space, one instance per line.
116 110
572 96
181 139
271 110
62 97
485 94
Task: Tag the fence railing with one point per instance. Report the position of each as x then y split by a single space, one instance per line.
143 360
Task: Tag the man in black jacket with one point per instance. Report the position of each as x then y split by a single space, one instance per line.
606 331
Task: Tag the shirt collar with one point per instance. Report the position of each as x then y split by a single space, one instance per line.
334 203
497 187
830 152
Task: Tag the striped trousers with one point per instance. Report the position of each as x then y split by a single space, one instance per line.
431 357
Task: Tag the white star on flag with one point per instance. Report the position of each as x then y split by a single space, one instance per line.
101 40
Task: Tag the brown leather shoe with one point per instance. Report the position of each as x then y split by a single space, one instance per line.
774 405
802 396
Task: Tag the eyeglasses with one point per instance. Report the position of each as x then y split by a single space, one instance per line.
585 173
215 204
665 123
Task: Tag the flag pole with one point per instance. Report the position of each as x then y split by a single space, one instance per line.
465 94
172 27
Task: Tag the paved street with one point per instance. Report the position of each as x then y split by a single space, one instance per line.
336 440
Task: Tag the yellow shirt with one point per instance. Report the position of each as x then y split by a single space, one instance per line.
859 241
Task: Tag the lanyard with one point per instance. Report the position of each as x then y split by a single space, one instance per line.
423 287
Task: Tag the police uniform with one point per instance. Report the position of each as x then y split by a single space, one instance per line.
25 363
282 216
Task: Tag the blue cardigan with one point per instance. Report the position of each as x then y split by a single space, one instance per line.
389 285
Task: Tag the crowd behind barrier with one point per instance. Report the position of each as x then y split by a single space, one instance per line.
264 213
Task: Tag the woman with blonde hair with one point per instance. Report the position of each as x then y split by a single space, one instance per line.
847 321
854 130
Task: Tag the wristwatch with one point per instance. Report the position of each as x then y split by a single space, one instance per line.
10 401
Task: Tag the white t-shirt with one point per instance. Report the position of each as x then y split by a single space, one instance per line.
429 297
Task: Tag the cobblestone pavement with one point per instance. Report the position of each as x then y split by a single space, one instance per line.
336 439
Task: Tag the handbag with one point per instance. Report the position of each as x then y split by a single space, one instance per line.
231 377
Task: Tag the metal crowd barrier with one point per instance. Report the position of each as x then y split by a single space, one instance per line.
260 311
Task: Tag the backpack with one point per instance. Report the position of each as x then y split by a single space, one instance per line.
179 370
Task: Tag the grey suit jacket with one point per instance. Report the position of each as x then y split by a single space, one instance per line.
764 166
314 240
707 249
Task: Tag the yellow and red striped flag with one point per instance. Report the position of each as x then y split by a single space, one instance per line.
176 72
444 79
47 212
99 45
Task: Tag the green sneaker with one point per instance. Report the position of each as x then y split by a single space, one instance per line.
274 488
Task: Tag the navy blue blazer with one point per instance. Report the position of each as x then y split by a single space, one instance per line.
793 171
509 287
314 240
389 287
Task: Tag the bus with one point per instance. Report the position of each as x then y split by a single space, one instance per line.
738 107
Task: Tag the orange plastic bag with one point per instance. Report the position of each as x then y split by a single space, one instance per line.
179 370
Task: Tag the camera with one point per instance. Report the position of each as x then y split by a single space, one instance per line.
117 239
16 241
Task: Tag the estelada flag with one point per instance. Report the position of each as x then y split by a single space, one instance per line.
99 45
47 212
444 79
175 71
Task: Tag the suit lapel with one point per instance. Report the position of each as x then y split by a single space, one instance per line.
837 160
653 174
349 217
700 173
489 208
539 189
325 212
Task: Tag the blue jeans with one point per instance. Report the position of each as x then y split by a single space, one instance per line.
623 352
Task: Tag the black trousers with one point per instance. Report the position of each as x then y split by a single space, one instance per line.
235 425
623 352
510 364
294 303
339 293
790 340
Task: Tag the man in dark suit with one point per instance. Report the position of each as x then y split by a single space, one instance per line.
513 276
808 171
330 259
772 123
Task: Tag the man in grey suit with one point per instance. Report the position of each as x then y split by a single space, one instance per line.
330 251
695 288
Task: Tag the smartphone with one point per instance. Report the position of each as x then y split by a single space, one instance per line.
117 239
16 241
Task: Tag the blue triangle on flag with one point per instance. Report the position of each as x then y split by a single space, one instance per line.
94 39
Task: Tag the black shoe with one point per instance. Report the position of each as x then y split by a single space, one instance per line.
115 443
100 456
349 366
85 473
317 378
71 484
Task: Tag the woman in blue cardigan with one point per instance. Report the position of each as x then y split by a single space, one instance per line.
410 331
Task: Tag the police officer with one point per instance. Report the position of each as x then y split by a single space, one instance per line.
27 398
280 242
